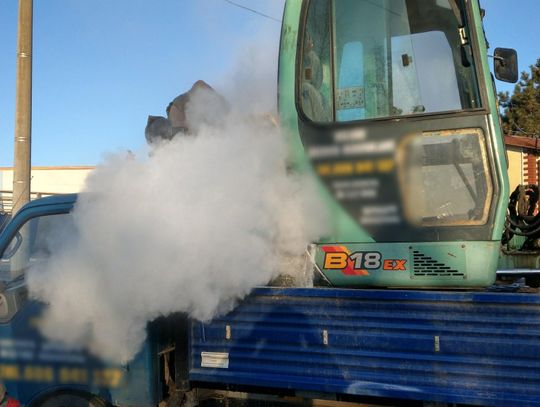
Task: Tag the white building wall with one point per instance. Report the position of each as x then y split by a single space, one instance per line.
46 181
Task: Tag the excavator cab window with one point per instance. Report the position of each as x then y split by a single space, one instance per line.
374 59
315 83
445 178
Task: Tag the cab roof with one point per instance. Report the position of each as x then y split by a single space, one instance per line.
52 200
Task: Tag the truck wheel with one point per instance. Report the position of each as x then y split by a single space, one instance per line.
68 399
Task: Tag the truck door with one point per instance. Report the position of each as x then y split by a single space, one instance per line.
37 371
30 365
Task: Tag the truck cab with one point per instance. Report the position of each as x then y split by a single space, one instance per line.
36 371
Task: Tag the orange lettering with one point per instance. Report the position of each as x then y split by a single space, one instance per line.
335 261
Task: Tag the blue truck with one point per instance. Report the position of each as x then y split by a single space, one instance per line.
391 107
283 345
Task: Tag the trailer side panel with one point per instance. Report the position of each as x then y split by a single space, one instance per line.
475 347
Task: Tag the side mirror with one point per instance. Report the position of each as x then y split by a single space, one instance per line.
506 65
12 247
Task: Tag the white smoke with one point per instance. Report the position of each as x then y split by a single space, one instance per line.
192 227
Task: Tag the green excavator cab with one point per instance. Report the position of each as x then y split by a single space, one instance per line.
390 105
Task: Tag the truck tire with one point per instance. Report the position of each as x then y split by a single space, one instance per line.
70 399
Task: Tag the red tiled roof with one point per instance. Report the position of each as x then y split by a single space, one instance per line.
530 143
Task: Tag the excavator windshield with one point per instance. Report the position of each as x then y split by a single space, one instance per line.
366 59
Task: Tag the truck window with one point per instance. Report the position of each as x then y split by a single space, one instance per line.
376 59
34 242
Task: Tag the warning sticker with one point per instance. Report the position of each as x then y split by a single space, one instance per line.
350 98
217 360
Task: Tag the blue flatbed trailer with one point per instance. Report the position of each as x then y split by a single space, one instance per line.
478 348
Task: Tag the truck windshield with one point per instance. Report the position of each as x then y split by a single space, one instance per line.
365 59
34 242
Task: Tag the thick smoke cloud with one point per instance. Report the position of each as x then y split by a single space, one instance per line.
191 227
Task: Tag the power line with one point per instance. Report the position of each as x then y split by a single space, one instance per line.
253 11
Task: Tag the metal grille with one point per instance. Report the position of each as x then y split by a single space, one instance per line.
427 266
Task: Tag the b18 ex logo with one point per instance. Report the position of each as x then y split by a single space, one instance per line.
359 263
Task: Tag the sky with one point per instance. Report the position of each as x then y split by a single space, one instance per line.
101 67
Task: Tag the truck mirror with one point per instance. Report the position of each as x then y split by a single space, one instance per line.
12 247
506 65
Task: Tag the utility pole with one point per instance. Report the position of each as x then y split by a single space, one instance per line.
23 108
